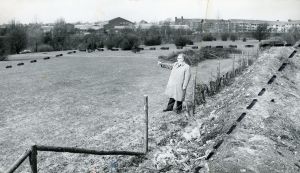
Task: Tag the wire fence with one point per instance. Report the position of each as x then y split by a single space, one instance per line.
208 83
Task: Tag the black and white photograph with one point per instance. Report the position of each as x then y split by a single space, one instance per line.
149 86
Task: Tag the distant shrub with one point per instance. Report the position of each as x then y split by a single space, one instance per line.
190 42
288 38
249 45
129 42
224 36
100 45
82 47
233 46
273 41
182 41
92 46
244 39
292 36
44 48
152 41
233 37
113 41
109 44
208 37
164 48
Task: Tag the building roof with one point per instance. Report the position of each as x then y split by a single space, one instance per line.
143 22
119 18
145 26
122 27
179 26
89 26
248 21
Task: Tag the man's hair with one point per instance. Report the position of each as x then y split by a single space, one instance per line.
185 58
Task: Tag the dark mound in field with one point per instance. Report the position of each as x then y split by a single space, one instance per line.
199 55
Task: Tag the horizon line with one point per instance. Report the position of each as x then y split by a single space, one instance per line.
83 22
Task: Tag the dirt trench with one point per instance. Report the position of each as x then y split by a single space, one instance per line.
251 126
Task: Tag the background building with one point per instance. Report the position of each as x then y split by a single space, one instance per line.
235 25
118 23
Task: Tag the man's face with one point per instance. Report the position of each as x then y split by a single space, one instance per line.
180 58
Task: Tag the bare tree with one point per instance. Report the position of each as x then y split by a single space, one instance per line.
262 32
61 34
16 37
34 36
3 48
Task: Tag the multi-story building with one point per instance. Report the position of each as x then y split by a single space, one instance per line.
241 25
194 24
235 25
204 25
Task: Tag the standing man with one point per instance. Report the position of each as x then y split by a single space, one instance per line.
178 82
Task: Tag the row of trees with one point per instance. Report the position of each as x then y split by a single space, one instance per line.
64 36
20 37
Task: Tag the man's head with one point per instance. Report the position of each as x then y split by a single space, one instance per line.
183 58
180 58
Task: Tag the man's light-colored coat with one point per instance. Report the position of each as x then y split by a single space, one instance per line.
178 81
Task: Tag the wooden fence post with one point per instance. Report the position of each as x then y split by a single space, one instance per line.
211 91
233 62
146 122
194 94
33 159
203 91
217 84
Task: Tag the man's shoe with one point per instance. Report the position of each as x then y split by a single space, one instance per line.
178 111
166 110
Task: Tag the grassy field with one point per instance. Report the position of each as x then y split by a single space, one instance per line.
90 100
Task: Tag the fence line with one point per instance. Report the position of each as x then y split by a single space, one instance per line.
201 90
146 107
84 151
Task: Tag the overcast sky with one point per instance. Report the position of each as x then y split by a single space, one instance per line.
45 11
